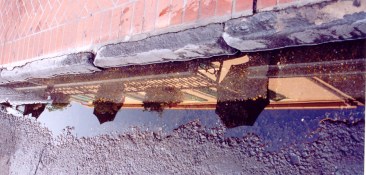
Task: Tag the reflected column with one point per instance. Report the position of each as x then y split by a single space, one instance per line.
242 98
108 101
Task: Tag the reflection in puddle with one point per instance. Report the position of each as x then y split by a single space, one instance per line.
256 93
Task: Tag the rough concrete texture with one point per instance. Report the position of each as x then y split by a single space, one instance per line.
45 68
27 148
195 43
320 23
295 26
9 95
2 80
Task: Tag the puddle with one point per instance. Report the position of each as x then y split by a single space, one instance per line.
276 95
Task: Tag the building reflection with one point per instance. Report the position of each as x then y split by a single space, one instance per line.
60 101
108 101
159 98
35 110
106 111
241 112
238 89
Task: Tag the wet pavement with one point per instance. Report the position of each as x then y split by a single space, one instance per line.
289 111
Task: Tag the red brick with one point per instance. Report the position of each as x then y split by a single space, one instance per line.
224 7
40 44
261 4
138 16
97 25
8 53
69 35
177 12
24 6
106 25
11 52
1 54
21 49
163 13
79 10
59 38
27 29
80 33
44 4
45 18
50 40
115 23
285 1
37 48
10 57
46 42
91 6
72 11
36 6
13 33
88 30
5 57
105 4
207 8
119 2
191 11
82 11
31 46
35 44
150 16
26 48
51 19
53 39
37 23
52 45
14 51
28 25
63 12
243 5
125 24
1 34
10 47
6 33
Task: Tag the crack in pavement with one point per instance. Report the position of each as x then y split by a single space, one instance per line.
40 159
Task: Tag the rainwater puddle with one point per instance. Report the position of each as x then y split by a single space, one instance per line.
281 96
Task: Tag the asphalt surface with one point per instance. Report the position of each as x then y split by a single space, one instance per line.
28 148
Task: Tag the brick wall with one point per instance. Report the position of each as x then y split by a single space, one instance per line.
31 29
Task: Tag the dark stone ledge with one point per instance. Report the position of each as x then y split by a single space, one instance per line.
49 67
